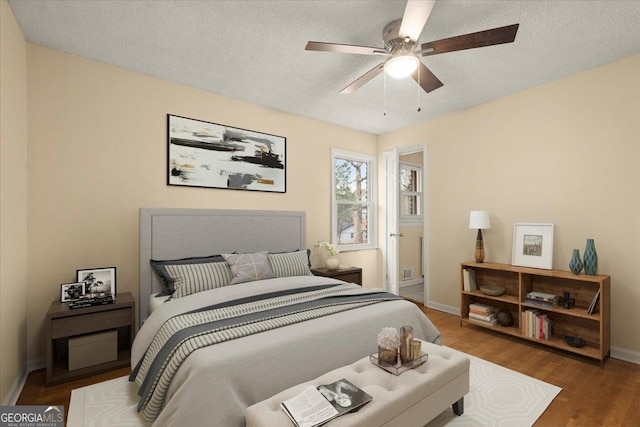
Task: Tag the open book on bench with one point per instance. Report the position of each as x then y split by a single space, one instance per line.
316 406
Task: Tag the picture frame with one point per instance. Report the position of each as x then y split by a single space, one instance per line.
212 155
98 282
71 291
533 245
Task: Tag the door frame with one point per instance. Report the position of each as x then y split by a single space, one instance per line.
392 286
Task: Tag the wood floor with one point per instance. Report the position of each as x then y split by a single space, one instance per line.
590 396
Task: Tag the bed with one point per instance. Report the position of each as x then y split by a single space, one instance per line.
214 384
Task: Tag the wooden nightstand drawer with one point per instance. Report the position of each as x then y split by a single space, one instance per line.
351 277
89 323
350 274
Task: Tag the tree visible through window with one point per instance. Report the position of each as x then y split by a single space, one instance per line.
353 178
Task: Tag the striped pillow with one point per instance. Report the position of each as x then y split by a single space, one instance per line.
290 263
159 266
192 278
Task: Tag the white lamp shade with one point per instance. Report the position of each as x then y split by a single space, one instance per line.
401 66
479 220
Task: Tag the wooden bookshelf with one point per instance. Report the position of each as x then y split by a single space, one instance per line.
593 328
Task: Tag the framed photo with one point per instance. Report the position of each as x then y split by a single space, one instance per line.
98 282
533 245
71 291
204 154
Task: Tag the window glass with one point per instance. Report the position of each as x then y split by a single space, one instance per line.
353 194
410 193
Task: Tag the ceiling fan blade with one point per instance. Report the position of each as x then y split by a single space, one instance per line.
345 48
415 16
428 81
360 81
470 41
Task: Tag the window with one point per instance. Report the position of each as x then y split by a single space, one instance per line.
410 193
353 200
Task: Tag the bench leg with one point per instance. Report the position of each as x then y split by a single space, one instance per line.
458 407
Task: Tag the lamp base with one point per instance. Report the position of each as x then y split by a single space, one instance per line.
479 252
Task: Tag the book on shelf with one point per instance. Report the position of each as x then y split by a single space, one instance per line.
469 279
487 318
594 303
481 308
541 304
316 406
542 296
536 325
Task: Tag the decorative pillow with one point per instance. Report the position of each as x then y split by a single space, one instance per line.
160 268
192 278
290 263
249 267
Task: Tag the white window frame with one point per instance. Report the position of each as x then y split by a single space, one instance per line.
372 170
411 220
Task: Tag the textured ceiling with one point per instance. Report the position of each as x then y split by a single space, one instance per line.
254 50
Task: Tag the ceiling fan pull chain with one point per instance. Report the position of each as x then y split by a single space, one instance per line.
419 87
385 93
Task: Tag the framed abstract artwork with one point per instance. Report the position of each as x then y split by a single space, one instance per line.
211 155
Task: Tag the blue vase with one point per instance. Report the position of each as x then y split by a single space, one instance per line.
575 265
590 258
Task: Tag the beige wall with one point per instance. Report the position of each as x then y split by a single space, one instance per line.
568 153
14 287
98 152
409 253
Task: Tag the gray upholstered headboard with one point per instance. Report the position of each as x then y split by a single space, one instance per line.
167 233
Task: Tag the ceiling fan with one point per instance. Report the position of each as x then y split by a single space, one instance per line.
401 47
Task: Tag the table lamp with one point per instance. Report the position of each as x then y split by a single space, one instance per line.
479 220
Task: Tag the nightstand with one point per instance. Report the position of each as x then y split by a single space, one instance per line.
63 324
348 274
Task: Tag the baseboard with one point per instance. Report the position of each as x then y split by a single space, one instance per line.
411 282
616 352
626 355
444 308
12 397
34 365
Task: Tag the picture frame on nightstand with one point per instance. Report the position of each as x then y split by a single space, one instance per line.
71 291
98 282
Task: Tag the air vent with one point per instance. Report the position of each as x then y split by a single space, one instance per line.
407 273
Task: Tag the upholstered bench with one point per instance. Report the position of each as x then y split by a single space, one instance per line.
411 399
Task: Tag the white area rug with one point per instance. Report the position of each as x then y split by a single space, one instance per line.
498 397
107 404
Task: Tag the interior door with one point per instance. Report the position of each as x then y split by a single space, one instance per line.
392 231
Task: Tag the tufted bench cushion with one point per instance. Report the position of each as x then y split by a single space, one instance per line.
411 399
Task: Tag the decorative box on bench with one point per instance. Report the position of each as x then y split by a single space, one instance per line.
93 349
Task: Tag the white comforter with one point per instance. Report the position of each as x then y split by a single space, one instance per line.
216 384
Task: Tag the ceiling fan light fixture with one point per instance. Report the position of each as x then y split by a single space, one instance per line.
401 66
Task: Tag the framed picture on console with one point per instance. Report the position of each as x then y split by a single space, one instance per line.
533 245
205 154
98 282
71 291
